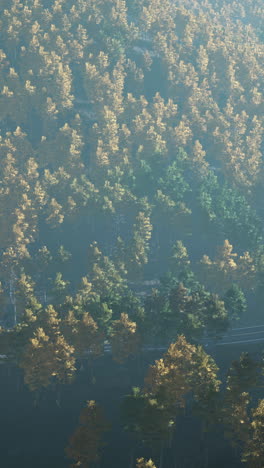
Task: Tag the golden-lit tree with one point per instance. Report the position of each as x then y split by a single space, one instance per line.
183 368
87 440
253 453
142 463
47 356
227 268
125 340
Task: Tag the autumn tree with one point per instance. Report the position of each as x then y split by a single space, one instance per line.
124 338
243 376
47 355
83 333
227 268
183 368
253 453
142 463
87 440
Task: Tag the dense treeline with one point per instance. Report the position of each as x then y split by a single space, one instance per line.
132 149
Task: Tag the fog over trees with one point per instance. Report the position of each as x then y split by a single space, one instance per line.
132 233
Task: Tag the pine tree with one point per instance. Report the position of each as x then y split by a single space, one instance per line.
86 442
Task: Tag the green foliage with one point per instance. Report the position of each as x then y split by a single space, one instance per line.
230 213
173 183
235 302
244 376
190 310
179 260
149 420
63 254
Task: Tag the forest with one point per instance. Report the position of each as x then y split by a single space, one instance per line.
132 233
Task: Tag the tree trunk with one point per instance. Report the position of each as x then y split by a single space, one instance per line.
45 297
18 381
204 452
131 464
58 399
206 456
36 398
161 456
13 300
